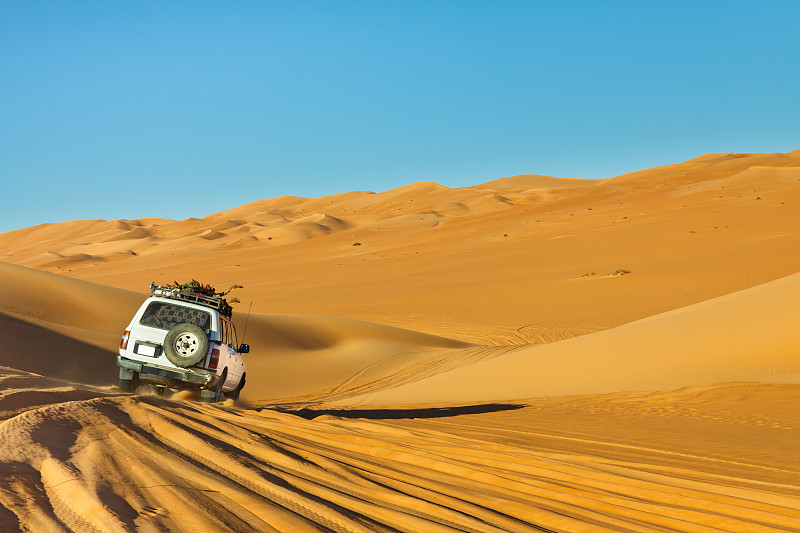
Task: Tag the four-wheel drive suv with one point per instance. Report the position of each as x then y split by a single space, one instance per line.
183 341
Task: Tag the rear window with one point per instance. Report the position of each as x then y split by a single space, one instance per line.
164 315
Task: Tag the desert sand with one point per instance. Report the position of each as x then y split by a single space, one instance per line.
529 354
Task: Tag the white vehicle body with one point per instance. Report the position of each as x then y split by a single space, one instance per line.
143 358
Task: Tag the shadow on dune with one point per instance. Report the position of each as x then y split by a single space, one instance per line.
36 349
393 414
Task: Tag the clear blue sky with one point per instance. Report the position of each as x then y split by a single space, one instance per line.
176 109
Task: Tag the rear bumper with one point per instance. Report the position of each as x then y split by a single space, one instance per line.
159 374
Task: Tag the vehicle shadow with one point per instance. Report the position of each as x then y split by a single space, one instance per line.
394 414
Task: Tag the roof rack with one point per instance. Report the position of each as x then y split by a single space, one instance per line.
175 293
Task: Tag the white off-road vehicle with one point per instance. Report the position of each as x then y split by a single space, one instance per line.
183 341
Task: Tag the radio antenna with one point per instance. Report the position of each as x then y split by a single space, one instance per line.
246 321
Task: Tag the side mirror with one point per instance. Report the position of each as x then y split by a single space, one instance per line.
244 348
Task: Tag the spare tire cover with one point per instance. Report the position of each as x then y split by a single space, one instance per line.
186 345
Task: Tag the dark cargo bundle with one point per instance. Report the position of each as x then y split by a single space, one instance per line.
195 292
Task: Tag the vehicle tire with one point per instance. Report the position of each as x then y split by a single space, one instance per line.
218 388
159 389
234 394
129 385
125 385
185 345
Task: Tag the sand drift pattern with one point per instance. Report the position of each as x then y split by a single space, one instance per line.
80 460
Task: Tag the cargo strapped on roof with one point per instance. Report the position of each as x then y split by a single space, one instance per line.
174 293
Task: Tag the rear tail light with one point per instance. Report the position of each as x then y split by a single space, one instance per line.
123 344
214 358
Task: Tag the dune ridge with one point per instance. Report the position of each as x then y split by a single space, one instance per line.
525 248
749 336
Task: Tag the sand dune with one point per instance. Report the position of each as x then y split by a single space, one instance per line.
135 233
524 182
242 242
528 354
228 224
518 249
330 222
211 235
338 361
749 336
80 323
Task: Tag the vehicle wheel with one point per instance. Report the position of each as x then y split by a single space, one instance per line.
185 345
234 394
159 389
129 385
218 388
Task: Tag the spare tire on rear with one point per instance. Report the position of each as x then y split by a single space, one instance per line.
186 344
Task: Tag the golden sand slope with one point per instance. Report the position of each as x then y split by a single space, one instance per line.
70 329
749 336
61 327
77 460
296 360
517 260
